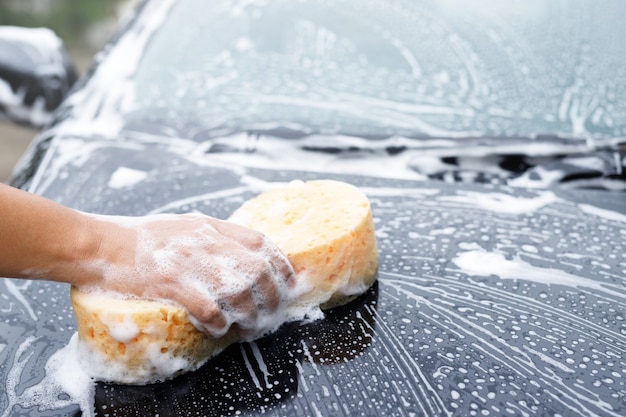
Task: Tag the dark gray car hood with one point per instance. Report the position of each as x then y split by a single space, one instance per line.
501 289
490 300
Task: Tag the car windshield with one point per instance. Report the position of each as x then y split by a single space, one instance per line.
376 68
527 92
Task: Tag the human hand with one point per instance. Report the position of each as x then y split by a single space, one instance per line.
223 274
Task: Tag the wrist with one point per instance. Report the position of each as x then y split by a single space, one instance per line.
76 254
107 245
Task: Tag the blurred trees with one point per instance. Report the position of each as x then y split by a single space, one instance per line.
72 20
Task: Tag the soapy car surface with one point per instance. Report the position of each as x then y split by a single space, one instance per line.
487 138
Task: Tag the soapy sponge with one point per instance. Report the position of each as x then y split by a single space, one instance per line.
324 227
326 230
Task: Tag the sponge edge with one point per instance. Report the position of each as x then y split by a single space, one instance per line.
326 230
133 341
324 227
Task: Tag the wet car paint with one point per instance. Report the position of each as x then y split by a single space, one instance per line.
492 299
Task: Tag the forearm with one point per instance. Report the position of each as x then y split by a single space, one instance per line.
194 260
42 239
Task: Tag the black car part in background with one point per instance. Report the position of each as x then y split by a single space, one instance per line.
36 74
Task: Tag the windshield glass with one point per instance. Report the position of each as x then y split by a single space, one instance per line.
375 68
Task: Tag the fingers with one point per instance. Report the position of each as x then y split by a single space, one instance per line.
270 276
267 295
252 290
223 273
281 266
248 238
206 313
251 287
242 308
213 319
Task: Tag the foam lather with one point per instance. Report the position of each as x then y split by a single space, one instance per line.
324 227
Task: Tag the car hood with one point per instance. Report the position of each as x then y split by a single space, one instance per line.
488 298
493 298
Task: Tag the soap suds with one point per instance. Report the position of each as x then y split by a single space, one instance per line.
157 365
126 177
245 284
123 331
606 214
65 383
16 292
156 257
503 203
206 267
48 56
483 263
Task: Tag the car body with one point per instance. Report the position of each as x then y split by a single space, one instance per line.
489 139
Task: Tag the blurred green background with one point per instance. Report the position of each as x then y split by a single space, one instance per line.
82 24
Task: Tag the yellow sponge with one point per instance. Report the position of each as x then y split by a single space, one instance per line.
326 230
324 227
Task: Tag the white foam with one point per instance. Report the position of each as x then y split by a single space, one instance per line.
483 263
203 264
156 366
606 214
110 89
268 148
123 331
16 291
46 42
65 382
126 177
49 57
503 203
